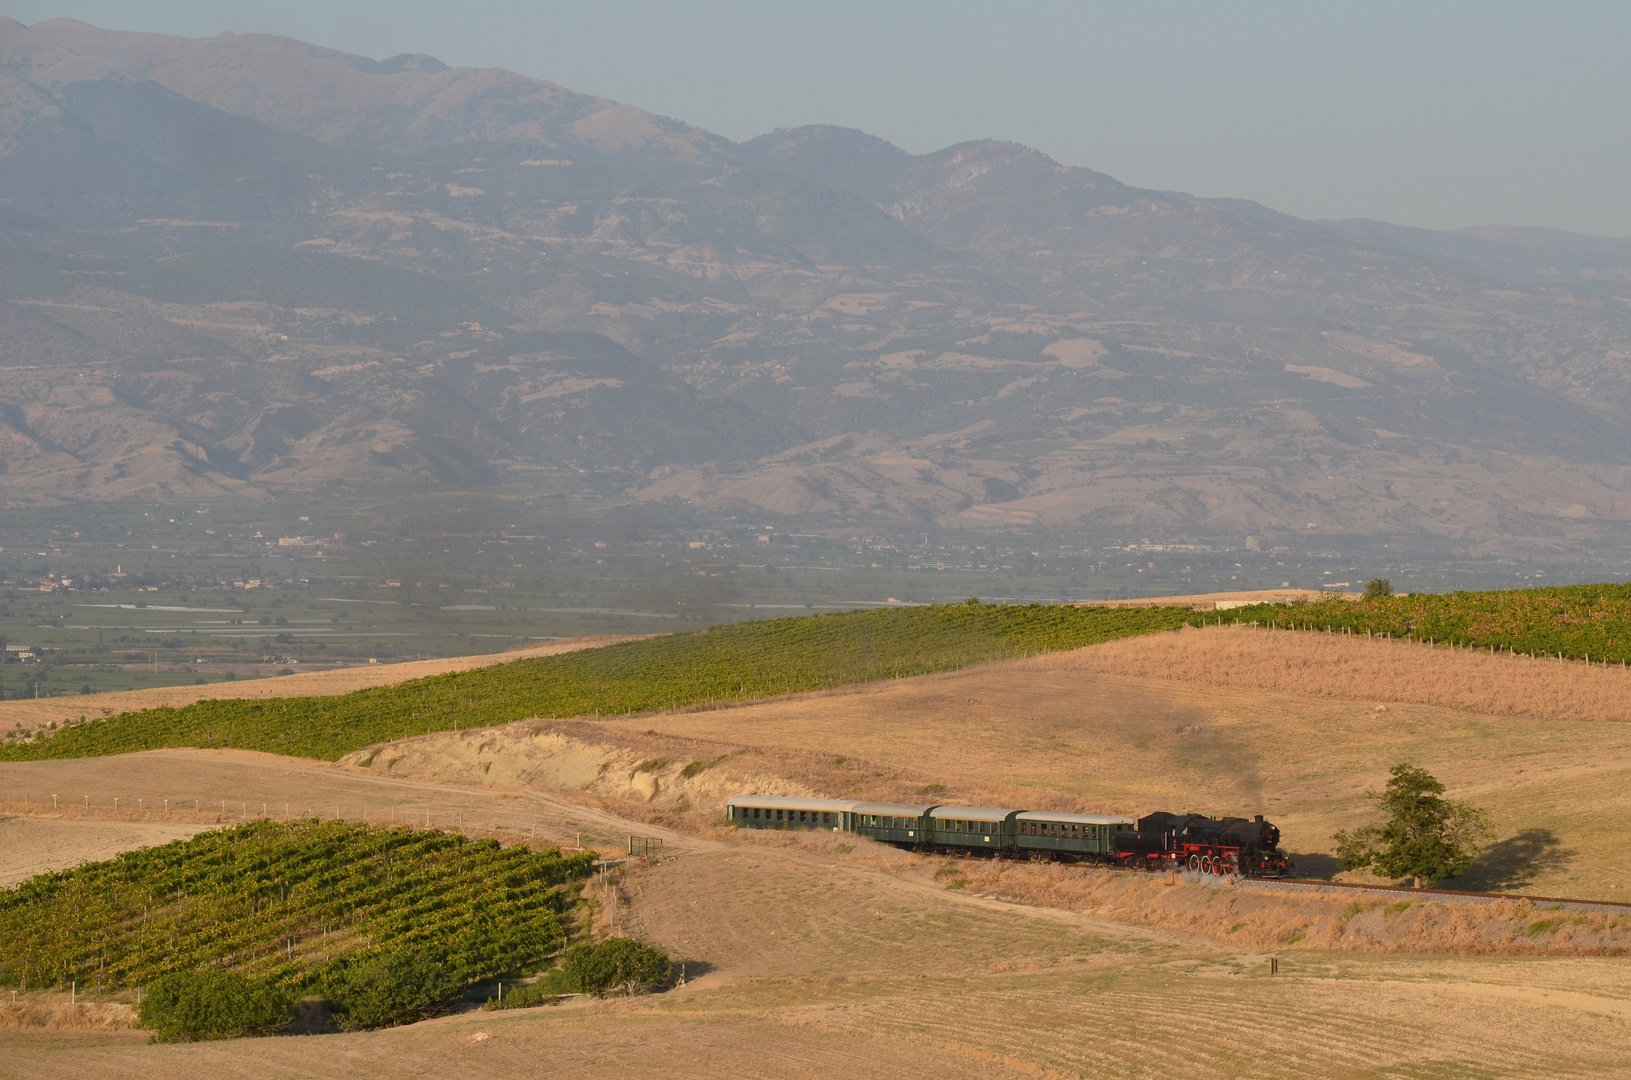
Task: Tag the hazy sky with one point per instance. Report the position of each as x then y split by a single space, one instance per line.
1442 115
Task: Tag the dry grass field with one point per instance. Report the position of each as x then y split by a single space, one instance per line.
805 961
818 956
34 713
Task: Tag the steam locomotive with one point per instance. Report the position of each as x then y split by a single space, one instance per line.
1158 841
1231 845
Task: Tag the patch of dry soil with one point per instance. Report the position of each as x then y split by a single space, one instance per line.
35 845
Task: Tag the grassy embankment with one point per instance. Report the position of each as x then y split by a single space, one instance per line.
742 662
291 901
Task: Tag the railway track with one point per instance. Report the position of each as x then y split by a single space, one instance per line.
1294 884
1570 903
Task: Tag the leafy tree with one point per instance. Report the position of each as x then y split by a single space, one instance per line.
616 965
395 988
1427 837
1378 587
188 1006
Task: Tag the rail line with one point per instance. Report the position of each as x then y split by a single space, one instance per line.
1458 894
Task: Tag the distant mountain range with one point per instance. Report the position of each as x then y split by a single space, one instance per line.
245 264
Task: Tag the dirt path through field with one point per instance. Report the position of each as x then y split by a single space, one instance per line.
210 787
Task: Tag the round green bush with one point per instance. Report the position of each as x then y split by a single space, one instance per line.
188 1006
394 988
617 965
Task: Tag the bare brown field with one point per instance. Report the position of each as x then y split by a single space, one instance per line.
34 713
34 845
206 789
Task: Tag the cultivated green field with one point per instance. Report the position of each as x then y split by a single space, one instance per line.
1580 622
291 901
740 662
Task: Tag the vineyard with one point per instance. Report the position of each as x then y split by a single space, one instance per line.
1580 622
733 663
294 902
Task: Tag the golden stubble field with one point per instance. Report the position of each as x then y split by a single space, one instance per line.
809 959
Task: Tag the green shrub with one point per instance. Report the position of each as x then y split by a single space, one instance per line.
187 1006
617 965
395 988
542 992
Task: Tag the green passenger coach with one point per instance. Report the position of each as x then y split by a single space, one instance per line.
779 812
893 823
1068 836
980 828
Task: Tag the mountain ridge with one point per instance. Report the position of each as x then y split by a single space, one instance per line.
978 336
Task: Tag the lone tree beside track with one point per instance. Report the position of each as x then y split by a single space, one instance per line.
1427 837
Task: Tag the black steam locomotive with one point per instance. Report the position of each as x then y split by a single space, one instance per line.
1249 847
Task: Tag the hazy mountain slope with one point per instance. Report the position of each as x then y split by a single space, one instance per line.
299 267
408 103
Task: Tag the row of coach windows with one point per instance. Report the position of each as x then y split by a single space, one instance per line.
1046 828
800 817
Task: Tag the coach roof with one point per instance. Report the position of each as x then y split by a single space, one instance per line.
779 802
1075 819
972 813
892 809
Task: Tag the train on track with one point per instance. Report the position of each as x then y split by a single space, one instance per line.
1246 847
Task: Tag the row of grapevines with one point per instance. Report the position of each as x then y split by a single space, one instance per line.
1577 621
740 662
294 901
